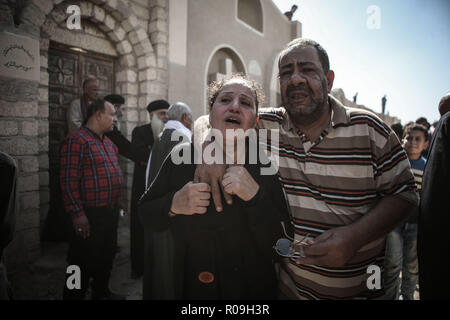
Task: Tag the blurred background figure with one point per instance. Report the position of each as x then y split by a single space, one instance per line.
8 174
434 217
77 111
159 245
142 139
401 243
398 129
290 13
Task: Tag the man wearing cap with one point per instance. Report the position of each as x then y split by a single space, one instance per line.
142 139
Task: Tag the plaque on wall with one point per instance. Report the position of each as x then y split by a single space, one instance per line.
19 57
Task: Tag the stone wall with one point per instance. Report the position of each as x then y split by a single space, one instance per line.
134 31
19 135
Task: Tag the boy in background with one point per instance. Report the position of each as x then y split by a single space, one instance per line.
401 243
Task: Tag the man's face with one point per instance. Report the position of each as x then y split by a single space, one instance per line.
162 115
188 121
91 90
303 83
414 143
107 119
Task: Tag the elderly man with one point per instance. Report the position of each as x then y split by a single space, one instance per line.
180 121
78 108
346 178
434 217
91 183
142 139
158 274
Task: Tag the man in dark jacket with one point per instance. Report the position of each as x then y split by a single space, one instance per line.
159 263
434 218
116 136
8 174
142 139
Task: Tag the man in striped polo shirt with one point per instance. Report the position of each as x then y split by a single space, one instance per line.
346 178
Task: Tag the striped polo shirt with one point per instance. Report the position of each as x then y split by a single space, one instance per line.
333 183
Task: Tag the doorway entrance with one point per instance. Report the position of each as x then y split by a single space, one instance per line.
67 68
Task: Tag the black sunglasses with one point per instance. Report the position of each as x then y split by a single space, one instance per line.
286 247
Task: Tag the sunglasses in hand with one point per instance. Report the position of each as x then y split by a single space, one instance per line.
287 247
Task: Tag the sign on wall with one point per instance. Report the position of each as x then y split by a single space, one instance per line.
19 57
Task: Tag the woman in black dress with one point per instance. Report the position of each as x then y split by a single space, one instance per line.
228 254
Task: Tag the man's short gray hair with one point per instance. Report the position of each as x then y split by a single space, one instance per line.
177 110
303 42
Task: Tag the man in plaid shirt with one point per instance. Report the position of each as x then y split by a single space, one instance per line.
91 182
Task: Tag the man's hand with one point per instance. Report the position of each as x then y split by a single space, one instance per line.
123 206
191 199
333 248
238 181
212 174
81 226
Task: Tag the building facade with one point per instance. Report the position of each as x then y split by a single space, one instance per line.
44 62
141 49
209 39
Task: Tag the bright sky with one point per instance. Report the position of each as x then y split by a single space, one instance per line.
407 58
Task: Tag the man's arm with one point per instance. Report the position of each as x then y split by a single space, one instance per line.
141 144
395 185
122 143
335 247
211 174
70 175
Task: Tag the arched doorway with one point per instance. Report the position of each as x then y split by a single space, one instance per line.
223 62
107 29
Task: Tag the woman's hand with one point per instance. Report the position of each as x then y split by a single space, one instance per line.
193 198
238 181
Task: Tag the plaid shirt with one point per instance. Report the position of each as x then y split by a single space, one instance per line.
90 173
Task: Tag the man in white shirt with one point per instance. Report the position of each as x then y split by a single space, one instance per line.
76 113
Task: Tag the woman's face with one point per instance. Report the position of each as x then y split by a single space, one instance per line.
234 107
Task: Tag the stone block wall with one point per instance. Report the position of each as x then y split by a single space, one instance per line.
135 31
19 137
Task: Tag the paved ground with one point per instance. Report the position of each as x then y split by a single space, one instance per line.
46 278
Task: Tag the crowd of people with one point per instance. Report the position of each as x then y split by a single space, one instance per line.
350 192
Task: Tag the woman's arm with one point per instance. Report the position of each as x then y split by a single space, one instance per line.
167 197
